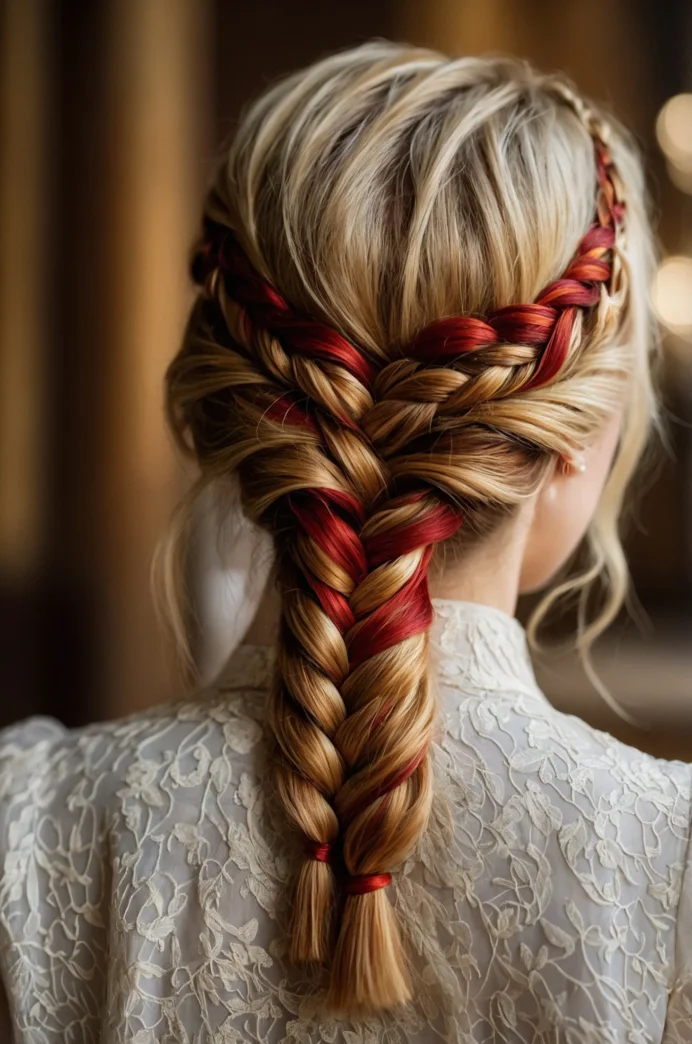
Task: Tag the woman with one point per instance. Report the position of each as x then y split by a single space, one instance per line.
421 346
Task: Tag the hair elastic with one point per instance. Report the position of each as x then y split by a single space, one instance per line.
317 850
361 884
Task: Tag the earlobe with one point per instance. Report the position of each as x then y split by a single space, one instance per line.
573 464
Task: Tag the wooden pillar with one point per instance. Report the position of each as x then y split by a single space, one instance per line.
598 44
23 276
24 122
158 117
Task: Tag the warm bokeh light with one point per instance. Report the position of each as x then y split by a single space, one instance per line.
672 294
674 132
681 178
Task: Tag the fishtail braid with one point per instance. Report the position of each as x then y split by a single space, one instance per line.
424 413
281 398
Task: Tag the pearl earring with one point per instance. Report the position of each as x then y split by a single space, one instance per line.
576 463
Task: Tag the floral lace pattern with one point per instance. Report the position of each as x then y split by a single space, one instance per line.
144 871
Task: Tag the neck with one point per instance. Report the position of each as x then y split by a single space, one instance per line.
487 573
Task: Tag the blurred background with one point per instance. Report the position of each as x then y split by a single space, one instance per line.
110 111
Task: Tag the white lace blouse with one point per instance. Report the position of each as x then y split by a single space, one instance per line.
145 867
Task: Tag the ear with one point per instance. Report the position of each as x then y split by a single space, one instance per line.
572 464
562 509
565 505
565 469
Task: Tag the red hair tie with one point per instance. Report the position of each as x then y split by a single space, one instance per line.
318 851
361 884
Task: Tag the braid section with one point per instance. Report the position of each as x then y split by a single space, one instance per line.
296 391
384 803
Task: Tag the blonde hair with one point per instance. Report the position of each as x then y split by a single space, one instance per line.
370 210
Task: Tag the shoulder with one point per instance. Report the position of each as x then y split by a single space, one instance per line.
575 849
526 737
28 733
113 837
42 751
110 778
591 793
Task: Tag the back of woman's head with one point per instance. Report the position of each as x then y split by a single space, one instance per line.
422 279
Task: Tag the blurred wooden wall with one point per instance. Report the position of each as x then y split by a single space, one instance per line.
107 113
25 245
111 111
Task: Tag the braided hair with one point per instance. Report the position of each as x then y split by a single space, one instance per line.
368 427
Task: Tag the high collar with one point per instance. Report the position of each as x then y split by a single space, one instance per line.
476 648
481 649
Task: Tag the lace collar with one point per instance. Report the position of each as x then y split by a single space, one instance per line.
481 649
474 647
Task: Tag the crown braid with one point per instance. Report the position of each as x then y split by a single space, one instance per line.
457 370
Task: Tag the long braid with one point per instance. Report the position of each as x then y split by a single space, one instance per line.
309 476
345 459
384 803
421 407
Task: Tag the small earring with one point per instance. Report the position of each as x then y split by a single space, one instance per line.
576 463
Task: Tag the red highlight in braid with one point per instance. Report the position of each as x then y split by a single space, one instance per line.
385 788
409 611
331 533
285 411
269 309
319 514
547 323
441 522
